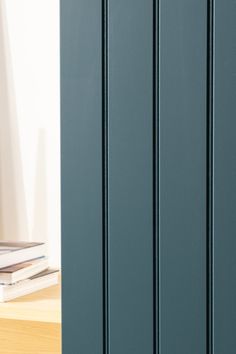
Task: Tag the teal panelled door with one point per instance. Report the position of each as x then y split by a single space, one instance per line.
148 152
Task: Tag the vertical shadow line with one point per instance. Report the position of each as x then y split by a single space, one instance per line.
105 174
156 159
210 176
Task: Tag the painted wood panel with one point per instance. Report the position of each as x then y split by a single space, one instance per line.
136 105
182 184
130 198
81 140
224 185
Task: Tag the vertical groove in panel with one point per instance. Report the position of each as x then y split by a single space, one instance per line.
155 236
156 257
209 278
105 171
158 159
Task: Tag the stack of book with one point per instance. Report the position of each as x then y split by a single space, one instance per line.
24 269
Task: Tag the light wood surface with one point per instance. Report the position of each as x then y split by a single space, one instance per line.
27 337
32 324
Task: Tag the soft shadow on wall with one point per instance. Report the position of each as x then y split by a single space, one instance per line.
40 212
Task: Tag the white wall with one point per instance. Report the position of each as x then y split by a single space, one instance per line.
30 32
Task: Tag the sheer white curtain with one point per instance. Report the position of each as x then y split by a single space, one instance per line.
13 217
30 123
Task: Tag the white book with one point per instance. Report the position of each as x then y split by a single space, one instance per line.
37 282
21 271
18 252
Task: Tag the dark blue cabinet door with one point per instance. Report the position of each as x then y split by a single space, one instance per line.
148 176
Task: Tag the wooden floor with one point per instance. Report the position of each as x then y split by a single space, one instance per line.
32 324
